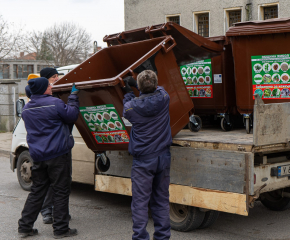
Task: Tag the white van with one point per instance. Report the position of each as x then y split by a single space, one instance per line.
64 70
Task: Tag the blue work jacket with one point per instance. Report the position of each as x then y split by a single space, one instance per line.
149 114
48 122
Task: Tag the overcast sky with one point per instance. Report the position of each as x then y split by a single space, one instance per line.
99 17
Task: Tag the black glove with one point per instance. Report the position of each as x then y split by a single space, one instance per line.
131 81
127 88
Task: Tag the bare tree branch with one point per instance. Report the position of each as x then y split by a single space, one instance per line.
64 43
10 41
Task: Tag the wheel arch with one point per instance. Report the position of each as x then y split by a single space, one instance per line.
18 151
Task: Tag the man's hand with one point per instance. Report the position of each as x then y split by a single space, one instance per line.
127 88
131 81
74 90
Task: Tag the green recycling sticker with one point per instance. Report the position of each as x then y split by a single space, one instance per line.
197 77
105 124
270 76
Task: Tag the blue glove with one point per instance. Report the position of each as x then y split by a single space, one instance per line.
74 90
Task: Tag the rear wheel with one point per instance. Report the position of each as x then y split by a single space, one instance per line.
185 218
209 218
274 200
226 126
24 164
193 127
248 125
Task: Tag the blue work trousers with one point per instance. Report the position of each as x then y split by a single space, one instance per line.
150 185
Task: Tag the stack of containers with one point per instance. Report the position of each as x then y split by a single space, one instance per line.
211 84
261 52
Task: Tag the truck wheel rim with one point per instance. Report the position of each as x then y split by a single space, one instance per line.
25 171
178 212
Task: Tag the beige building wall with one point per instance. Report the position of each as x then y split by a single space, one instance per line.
141 13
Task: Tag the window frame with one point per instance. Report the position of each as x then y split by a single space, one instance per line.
227 18
195 21
19 71
262 7
5 71
173 15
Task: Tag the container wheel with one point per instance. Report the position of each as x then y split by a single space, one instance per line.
225 125
24 164
185 218
274 200
193 127
248 125
209 218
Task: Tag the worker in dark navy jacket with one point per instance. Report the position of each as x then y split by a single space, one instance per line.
48 123
150 142
47 208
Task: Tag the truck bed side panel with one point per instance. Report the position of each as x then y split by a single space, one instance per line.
229 171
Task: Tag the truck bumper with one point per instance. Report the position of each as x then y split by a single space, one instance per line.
12 161
263 175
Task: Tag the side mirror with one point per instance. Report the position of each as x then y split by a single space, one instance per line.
19 106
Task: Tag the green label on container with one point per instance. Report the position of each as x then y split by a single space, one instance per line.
197 77
270 76
105 124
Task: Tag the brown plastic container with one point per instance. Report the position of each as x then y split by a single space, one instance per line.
249 41
223 98
101 96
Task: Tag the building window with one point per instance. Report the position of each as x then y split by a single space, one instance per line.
270 12
203 24
22 71
39 67
234 17
4 71
175 19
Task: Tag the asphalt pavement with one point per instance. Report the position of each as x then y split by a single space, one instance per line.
106 216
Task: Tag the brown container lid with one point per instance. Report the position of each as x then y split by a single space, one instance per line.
190 46
271 26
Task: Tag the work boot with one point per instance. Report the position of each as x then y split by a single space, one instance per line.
47 219
27 234
69 233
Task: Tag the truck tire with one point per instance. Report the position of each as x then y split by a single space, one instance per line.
209 219
274 201
24 164
185 218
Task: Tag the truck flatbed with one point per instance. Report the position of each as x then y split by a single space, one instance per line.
215 139
236 140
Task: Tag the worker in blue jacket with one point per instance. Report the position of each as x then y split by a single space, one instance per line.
47 121
150 141
47 208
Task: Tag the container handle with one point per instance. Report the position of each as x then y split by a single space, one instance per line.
163 28
116 37
167 40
